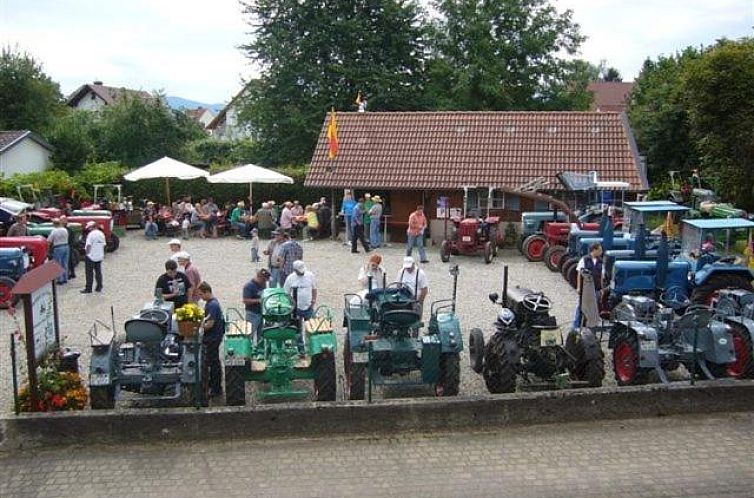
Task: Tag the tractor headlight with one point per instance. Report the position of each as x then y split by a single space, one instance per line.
452 335
453 342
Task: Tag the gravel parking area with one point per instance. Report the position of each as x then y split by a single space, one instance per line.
130 273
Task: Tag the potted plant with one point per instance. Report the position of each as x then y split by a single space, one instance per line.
188 317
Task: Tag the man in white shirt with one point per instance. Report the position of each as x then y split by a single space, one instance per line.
306 289
414 278
95 253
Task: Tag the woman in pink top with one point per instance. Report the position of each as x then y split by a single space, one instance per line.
417 223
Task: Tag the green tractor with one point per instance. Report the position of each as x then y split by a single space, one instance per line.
288 349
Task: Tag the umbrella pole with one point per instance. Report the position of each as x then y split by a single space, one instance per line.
167 189
251 201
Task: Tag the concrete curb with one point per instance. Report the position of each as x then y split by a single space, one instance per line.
383 417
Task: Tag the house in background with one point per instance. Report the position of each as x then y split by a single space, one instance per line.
23 151
95 96
610 96
412 158
226 126
200 115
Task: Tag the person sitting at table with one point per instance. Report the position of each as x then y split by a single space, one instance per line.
149 216
237 220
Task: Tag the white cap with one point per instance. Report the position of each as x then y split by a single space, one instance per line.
299 266
183 255
174 241
408 262
90 224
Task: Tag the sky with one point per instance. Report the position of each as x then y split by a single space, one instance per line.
189 48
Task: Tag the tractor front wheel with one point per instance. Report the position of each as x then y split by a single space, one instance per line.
500 365
450 375
102 397
324 380
572 276
520 243
235 386
591 370
476 350
626 361
113 243
534 247
445 251
488 252
553 255
7 298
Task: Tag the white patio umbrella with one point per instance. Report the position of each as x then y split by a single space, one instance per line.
251 174
166 168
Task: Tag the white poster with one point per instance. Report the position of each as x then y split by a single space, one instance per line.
43 320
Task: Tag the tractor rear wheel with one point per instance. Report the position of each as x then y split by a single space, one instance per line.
7 298
324 380
112 243
102 397
566 264
704 293
591 370
743 366
572 276
500 365
488 252
626 361
450 375
445 251
553 255
355 373
534 247
235 386
476 350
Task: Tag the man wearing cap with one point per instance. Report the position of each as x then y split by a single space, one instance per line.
19 228
290 251
175 249
273 256
58 242
71 246
95 253
305 285
252 294
375 213
188 268
415 280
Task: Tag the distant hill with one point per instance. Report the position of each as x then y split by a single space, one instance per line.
181 103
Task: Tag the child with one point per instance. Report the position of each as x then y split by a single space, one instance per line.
254 245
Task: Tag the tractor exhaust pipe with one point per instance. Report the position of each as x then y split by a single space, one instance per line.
454 272
504 300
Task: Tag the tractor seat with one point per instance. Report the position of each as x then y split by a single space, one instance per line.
388 306
400 318
280 334
141 330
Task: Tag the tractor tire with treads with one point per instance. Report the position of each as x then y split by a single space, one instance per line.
500 365
476 350
235 386
703 293
566 264
355 374
445 251
450 375
7 298
590 370
626 360
102 397
553 255
325 386
743 366
534 247
113 243
572 276
488 252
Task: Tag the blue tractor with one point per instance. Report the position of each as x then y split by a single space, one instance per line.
13 264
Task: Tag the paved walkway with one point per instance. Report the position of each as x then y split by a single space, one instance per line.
669 457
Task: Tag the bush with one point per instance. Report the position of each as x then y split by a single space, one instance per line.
60 182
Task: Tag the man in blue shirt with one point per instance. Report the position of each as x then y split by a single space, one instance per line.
214 330
357 226
252 293
346 209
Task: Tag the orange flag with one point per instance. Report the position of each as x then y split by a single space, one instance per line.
332 136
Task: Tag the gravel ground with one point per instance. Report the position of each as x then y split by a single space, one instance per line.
130 273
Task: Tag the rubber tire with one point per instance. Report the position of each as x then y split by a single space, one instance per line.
592 370
487 252
113 243
746 370
445 251
572 276
532 239
188 396
564 266
235 386
325 386
355 374
450 375
520 244
494 241
499 368
640 376
102 397
476 350
701 294
7 298
554 252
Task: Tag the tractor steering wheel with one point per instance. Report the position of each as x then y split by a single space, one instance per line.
675 297
536 302
156 315
397 287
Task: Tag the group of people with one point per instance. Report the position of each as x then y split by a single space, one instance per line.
362 218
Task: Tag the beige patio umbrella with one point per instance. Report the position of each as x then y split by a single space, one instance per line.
166 168
251 174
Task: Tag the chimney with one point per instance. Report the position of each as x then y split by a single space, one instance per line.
97 82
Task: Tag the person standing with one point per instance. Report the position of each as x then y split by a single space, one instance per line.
214 330
346 210
188 268
357 227
417 224
592 262
375 213
372 268
290 251
324 215
71 246
414 278
286 217
150 221
265 221
305 285
252 300
174 285
273 256
58 242
95 253
254 245
175 249
19 228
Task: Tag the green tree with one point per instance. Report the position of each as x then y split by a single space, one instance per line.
504 55
71 135
720 99
659 117
317 55
29 99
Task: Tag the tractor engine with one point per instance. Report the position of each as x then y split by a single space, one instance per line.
467 231
525 317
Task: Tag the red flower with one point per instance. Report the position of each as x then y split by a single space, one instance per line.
58 401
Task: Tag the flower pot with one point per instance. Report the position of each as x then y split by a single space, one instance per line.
188 329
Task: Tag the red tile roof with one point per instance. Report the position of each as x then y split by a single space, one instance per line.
610 96
447 150
10 138
109 94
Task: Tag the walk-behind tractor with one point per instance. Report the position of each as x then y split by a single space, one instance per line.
154 361
385 344
470 235
289 349
526 341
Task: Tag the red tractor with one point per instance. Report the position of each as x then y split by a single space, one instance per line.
470 235
33 253
105 222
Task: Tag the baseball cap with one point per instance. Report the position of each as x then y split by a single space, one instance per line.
90 224
174 241
408 262
183 255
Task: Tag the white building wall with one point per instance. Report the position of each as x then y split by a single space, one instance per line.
206 118
91 102
25 157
